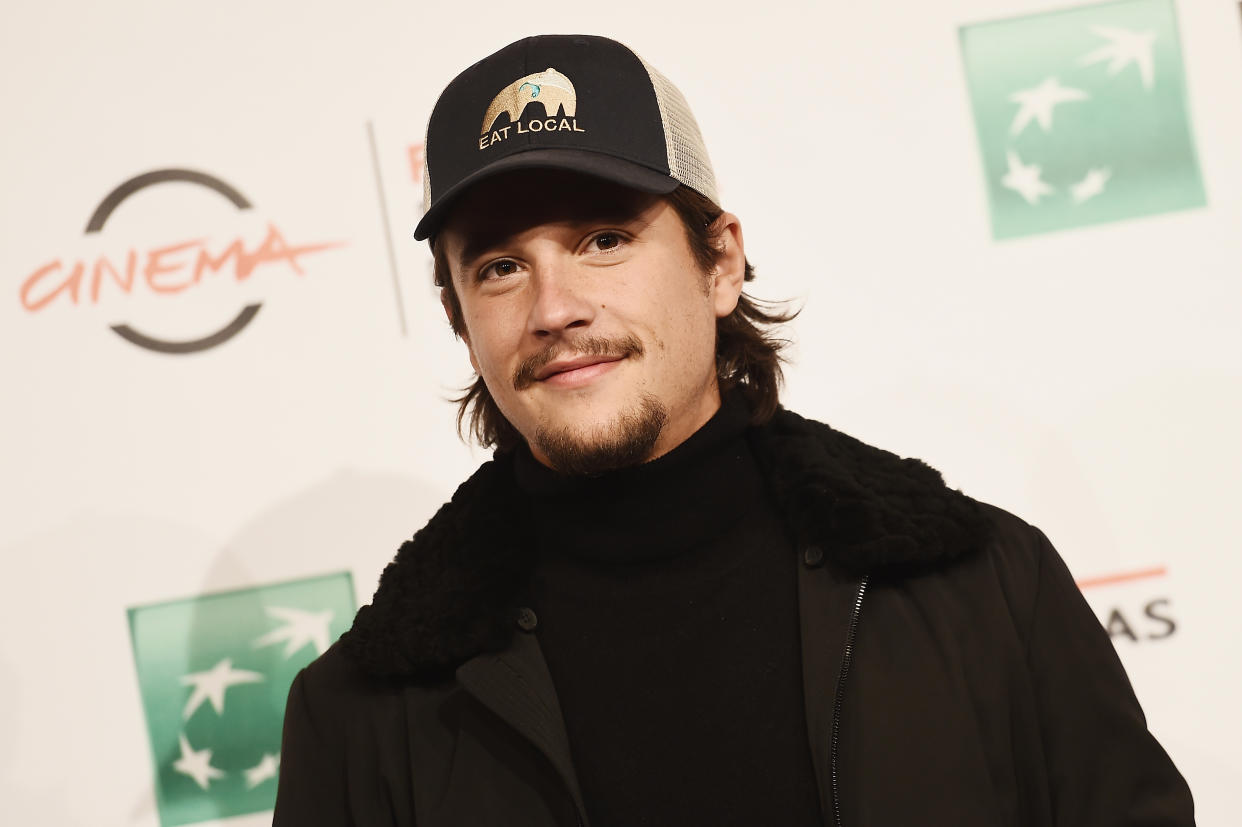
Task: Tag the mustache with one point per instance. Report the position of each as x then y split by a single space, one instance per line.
626 346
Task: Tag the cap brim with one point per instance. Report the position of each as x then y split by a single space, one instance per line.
595 164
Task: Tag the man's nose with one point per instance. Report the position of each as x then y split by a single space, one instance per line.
560 299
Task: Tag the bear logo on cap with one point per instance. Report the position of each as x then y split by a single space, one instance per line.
549 87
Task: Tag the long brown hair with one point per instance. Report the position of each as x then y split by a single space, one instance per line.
748 353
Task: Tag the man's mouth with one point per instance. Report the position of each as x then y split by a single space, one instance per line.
560 366
576 372
594 356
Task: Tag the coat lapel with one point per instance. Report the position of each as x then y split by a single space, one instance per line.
515 684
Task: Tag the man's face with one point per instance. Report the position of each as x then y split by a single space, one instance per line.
587 316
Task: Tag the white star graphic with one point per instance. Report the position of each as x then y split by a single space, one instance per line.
1037 103
1091 185
262 771
1123 48
210 685
1024 180
197 765
301 627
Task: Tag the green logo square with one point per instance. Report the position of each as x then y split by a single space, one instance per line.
214 672
1081 116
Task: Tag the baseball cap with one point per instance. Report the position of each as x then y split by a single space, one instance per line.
574 102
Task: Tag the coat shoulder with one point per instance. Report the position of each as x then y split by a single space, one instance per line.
335 686
1021 558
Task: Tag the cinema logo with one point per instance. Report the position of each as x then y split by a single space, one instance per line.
167 270
549 88
1137 620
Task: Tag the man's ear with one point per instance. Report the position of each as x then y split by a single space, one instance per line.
730 270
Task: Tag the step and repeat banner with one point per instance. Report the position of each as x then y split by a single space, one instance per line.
1012 227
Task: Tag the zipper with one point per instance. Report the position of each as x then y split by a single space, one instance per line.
847 658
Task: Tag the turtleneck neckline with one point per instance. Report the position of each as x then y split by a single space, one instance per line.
672 504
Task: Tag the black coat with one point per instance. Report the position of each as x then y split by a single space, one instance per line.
952 671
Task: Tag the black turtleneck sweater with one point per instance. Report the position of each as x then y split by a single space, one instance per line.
666 605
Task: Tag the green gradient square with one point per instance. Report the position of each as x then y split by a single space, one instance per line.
1109 139
240 649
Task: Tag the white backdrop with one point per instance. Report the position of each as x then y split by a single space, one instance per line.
1087 380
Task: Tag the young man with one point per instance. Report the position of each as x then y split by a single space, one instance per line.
667 601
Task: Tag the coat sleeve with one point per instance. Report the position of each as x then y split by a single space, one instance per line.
1104 766
312 788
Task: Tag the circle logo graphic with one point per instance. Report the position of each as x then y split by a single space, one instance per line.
160 271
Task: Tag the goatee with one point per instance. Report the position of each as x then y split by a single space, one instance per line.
628 440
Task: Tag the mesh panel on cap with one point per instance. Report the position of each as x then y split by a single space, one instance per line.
426 172
687 154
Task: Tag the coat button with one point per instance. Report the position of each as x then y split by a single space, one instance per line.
526 619
813 556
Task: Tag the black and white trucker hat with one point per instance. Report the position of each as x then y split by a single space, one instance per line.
575 102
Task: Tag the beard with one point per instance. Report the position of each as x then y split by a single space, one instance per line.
627 440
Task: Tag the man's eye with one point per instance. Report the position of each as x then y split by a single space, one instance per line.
606 241
498 269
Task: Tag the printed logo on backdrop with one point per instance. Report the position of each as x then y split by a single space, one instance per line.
1081 116
1139 613
551 89
213 672
165 270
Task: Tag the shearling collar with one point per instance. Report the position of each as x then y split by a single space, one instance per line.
453 590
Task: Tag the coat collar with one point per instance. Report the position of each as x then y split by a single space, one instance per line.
453 590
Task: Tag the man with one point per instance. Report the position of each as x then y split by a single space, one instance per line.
667 601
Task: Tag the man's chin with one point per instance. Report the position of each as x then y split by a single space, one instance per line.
625 439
